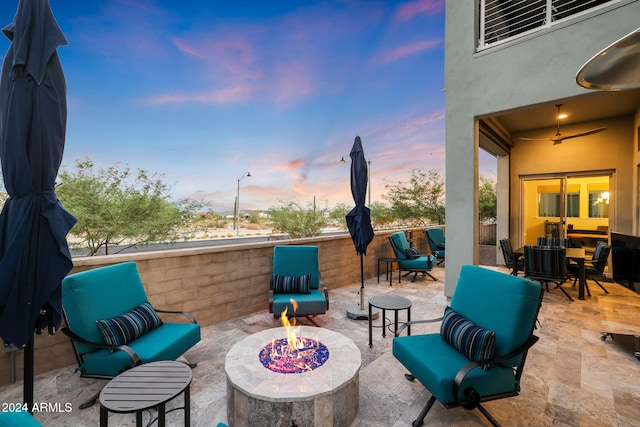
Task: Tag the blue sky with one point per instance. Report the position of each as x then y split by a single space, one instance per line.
203 91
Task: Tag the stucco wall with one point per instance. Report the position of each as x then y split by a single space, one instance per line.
530 71
214 284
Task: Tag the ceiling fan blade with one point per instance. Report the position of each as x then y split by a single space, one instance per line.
589 132
536 139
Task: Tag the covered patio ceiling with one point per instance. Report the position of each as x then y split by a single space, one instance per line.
591 106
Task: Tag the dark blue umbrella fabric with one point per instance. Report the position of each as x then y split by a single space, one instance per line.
359 219
34 255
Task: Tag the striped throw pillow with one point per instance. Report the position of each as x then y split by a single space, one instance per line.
129 326
474 342
291 284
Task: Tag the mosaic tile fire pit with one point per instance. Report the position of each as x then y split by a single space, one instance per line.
318 388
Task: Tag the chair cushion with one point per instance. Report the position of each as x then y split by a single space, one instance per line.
291 284
127 327
168 342
474 342
18 419
311 303
422 263
435 363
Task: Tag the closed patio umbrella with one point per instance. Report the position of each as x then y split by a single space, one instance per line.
34 255
359 219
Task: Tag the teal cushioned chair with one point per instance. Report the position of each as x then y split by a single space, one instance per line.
505 304
423 264
18 419
298 261
435 238
107 292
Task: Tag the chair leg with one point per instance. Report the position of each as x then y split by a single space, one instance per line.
488 416
563 291
420 420
598 283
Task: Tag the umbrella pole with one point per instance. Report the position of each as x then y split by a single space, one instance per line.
358 312
27 390
361 283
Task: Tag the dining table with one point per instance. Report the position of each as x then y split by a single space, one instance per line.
573 254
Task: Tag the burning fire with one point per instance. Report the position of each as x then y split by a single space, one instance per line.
293 354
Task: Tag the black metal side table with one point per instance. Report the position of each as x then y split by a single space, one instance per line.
145 387
389 302
389 262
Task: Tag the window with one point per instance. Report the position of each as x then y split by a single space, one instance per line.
598 204
505 20
549 201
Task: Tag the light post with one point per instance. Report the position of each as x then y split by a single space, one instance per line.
342 160
238 204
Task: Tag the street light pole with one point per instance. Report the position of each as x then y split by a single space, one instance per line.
238 204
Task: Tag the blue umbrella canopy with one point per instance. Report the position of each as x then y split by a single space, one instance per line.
34 255
359 218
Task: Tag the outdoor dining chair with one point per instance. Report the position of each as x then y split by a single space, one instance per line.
546 264
507 253
594 269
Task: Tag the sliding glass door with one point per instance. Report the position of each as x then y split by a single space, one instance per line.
572 206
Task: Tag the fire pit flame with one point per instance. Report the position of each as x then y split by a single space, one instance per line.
293 354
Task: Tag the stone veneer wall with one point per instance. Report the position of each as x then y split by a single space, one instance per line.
214 284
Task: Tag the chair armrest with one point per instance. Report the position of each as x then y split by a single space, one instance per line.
403 326
77 338
322 286
184 313
462 373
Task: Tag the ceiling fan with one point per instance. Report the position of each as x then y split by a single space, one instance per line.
558 137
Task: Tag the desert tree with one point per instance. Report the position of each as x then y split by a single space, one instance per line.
123 207
421 200
297 221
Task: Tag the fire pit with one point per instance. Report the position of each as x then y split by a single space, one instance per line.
272 380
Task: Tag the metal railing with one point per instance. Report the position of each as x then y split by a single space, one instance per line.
504 20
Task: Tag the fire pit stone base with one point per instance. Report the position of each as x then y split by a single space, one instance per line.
326 396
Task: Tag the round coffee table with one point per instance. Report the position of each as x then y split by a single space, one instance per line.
389 302
145 387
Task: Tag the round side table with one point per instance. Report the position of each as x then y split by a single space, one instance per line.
389 302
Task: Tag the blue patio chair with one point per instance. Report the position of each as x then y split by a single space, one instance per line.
296 275
480 352
436 239
18 419
113 327
410 263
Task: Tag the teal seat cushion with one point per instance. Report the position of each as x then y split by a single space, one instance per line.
421 263
167 342
18 419
311 303
435 363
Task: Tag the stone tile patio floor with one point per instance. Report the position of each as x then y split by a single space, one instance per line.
572 377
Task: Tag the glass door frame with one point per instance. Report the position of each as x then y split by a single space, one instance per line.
562 178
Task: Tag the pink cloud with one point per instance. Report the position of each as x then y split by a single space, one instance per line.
227 95
405 50
410 10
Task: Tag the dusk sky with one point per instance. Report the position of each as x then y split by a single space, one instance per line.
203 91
